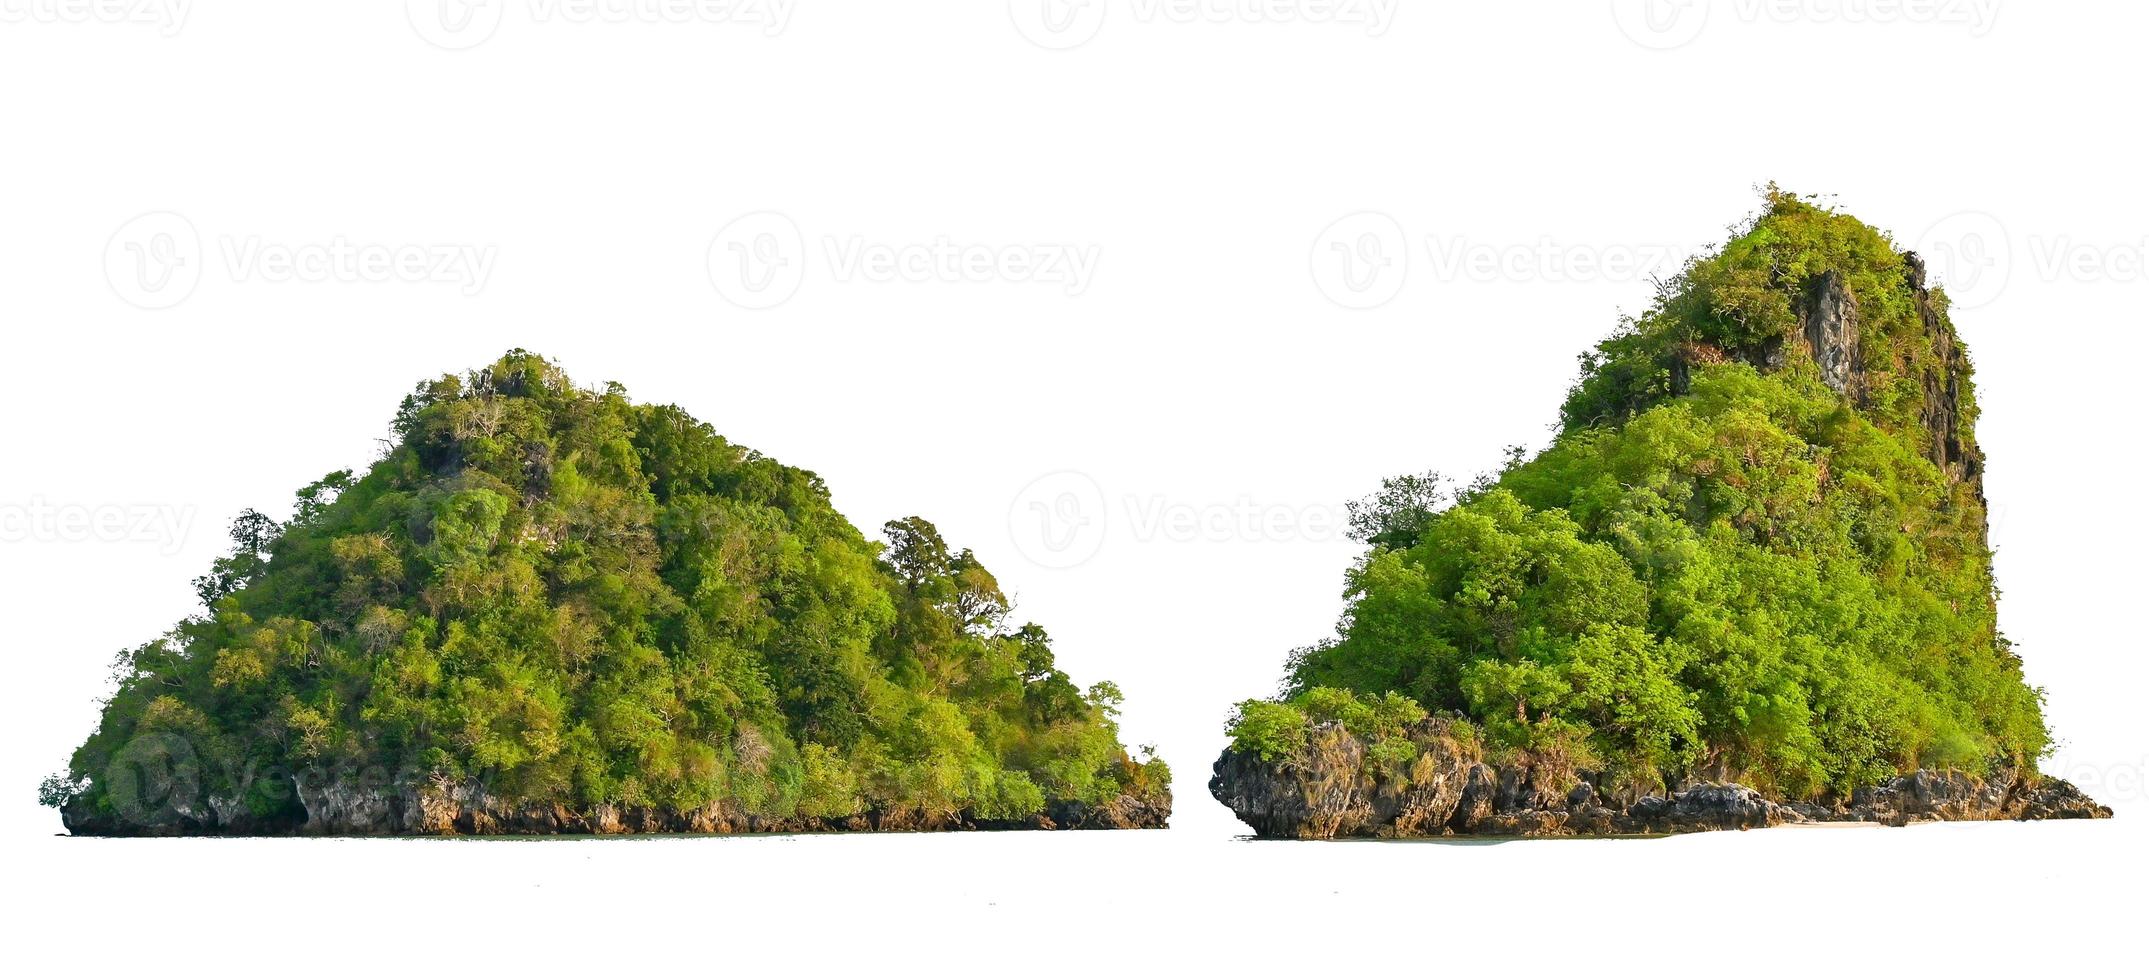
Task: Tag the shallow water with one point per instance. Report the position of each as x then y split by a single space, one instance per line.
1982 898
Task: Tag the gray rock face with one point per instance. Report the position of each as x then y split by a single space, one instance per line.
1722 806
1941 410
1829 325
2007 794
1327 789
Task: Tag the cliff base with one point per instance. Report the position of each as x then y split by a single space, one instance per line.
359 808
1331 788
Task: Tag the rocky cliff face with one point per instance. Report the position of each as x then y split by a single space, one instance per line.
1331 788
1828 326
1830 332
1942 409
346 805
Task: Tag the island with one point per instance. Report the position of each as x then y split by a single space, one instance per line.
548 609
1746 585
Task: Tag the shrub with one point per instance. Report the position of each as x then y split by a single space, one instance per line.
1268 729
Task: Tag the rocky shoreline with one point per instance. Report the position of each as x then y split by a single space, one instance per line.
444 809
1330 789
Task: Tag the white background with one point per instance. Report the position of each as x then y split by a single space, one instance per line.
1151 455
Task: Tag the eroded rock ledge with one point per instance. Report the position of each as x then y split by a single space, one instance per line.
355 808
1330 788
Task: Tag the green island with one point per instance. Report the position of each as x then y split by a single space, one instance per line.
548 609
1747 584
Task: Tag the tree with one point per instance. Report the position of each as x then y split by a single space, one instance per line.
916 552
1400 512
253 535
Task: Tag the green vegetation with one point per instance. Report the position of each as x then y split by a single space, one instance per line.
574 599
1723 565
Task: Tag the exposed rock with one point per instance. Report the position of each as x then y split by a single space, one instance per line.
1328 789
353 805
1941 408
2007 794
1829 328
1125 812
1720 806
2056 799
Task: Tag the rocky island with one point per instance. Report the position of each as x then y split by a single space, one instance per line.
548 609
1747 585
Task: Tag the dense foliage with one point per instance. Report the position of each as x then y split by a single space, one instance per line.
573 598
1721 566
